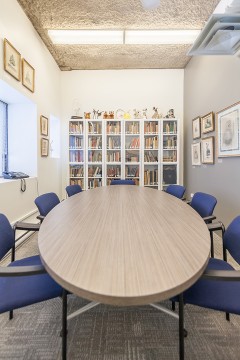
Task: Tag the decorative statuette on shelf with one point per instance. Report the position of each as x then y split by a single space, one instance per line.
87 115
156 114
120 114
105 115
127 115
170 114
144 112
97 114
137 114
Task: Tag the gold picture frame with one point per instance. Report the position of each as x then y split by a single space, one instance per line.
196 129
44 125
207 150
207 123
196 154
44 147
12 60
28 75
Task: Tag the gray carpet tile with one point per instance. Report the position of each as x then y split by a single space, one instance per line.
111 333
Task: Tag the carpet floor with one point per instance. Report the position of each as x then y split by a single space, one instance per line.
111 333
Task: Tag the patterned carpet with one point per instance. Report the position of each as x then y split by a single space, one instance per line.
109 333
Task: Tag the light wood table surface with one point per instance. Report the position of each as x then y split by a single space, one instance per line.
124 245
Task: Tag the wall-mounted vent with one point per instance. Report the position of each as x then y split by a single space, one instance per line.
220 36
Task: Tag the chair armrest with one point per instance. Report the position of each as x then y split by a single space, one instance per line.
208 219
22 270
41 217
26 226
227 275
216 226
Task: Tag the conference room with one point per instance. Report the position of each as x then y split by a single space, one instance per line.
119 217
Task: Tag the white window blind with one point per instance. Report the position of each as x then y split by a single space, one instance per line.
3 136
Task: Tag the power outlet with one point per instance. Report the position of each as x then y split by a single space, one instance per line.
191 195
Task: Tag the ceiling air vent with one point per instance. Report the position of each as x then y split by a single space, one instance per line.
220 36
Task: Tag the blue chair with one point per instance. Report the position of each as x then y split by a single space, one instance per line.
45 203
73 189
219 288
122 182
23 282
204 204
176 190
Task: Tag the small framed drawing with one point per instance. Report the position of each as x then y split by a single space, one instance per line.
44 125
207 123
12 60
228 131
196 132
196 154
208 150
28 75
44 147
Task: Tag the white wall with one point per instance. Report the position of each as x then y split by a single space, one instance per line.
119 89
15 26
211 84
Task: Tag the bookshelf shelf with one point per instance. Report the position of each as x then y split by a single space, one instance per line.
145 150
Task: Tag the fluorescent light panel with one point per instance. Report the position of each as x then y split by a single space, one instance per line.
160 36
87 37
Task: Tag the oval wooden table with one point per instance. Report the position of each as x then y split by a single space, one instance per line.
124 245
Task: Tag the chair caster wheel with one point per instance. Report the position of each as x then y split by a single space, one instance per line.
185 333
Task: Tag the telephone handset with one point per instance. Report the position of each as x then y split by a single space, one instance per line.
14 175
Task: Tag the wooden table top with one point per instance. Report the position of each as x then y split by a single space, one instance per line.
124 245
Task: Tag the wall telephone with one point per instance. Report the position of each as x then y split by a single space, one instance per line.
14 175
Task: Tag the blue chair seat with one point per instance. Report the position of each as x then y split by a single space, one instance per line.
215 294
20 291
123 182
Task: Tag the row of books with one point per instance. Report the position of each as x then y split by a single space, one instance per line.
114 143
150 127
169 142
151 142
94 183
151 177
76 156
133 144
170 156
132 157
77 182
132 171
150 156
114 171
95 171
170 127
114 156
113 127
75 142
75 127
94 128
94 156
76 171
132 128
95 142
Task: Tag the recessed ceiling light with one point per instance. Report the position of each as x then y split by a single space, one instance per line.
86 37
161 36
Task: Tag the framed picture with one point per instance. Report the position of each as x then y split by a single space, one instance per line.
208 150
196 132
207 123
44 125
196 154
228 132
44 147
28 75
12 60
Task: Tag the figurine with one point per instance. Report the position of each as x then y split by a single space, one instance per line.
99 113
170 114
137 114
156 114
111 115
105 115
127 115
96 114
87 115
144 113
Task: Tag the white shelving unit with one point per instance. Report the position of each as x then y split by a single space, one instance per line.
145 150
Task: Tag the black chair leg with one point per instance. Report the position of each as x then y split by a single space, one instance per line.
181 327
173 306
212 245
10 314
227 316
64 325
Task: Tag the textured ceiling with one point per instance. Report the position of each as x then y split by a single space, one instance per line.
117 14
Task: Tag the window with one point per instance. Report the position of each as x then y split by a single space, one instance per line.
3 136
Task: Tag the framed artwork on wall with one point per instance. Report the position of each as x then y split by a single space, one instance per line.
196 130
207 123
12 60
228 131
44 147
44 125
28 75
207 149
196 154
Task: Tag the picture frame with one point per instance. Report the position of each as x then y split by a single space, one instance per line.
44 125
196 129
207 149
196 154
12 60
228 131
28 75
207 123
44 147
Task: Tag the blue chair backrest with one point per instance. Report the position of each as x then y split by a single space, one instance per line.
6 236
231 239
176 190
203 203
123 182
46 202
73 189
